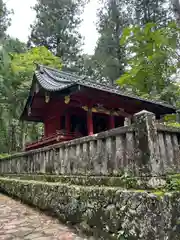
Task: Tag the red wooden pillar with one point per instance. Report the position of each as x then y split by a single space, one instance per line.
90 123
68 123
111 122
57 123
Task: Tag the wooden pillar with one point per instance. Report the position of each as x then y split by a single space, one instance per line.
68 123
90 123
111 122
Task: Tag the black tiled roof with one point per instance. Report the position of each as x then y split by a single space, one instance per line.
51 79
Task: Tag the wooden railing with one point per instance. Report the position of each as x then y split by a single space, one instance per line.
143 148
59 136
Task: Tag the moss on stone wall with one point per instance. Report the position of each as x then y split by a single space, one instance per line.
105 212
126 182
156 185
4 155
168 183
173 124
121 181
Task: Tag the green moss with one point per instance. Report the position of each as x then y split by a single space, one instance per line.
140 190
159 194
125 182
173 124
139 185
4 155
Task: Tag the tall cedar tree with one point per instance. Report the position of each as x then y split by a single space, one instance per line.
56 27
109 56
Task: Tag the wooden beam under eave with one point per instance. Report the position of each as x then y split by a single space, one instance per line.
108 112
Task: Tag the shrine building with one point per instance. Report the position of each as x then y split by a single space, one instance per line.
71 106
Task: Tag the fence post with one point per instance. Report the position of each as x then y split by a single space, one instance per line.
147 146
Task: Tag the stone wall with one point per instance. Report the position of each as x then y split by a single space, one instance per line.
104 212
143 148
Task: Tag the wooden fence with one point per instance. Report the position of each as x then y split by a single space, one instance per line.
143 148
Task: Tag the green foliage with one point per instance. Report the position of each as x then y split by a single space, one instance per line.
173 183
16 71
25 62
14 45
152 60
169 118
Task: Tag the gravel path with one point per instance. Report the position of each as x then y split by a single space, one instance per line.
19 221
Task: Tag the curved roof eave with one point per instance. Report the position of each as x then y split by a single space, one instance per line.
54 80
51 86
